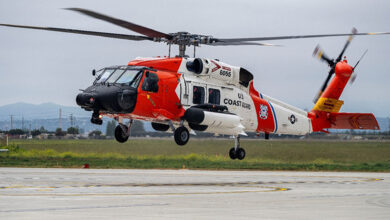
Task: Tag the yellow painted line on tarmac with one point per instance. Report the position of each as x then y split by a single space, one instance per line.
44 190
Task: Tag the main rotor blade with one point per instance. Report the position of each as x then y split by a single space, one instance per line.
73 31
239 43
125 24
292 37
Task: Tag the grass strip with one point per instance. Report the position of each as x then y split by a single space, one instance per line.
17 157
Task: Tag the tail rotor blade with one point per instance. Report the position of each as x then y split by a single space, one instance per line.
354 32
324 85
319 53
353 78
319 93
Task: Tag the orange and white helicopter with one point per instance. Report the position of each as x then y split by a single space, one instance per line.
182 93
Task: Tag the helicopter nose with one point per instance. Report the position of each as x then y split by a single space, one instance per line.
109 99
85 100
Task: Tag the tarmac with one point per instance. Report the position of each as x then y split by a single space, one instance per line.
40 193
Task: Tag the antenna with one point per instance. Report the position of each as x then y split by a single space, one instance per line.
360 59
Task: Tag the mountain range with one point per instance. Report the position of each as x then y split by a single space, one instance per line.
42 111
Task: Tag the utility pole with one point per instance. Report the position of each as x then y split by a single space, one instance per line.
12 122
22 123
388 124
71 120
60 120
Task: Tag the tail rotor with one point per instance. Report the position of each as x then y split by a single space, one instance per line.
319 53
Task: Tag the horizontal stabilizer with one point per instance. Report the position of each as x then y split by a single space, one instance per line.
353 121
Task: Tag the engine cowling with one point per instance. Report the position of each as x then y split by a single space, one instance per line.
195 66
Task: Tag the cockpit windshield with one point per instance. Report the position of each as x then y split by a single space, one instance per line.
106 73
114 76
120 75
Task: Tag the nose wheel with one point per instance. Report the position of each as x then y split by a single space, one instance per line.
236 152
122 132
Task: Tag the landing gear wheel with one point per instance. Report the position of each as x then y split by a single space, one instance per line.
121 133
232 153
182 135
240 153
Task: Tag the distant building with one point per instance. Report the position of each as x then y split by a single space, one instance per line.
3 139
42 136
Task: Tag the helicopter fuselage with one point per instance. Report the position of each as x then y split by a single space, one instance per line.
202 94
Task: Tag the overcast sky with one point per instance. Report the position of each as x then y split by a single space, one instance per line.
39 66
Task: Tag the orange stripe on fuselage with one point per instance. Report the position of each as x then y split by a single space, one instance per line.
264 124
167 64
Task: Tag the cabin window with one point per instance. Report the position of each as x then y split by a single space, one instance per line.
198 95
245 77
214 96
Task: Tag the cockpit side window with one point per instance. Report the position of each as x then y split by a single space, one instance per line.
104 76
136 81
127 76
198 95
150 83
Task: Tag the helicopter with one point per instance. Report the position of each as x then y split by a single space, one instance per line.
188 94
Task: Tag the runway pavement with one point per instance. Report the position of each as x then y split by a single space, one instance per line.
34 193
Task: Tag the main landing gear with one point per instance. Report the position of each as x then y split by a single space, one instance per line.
236 152
181 134
122 132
